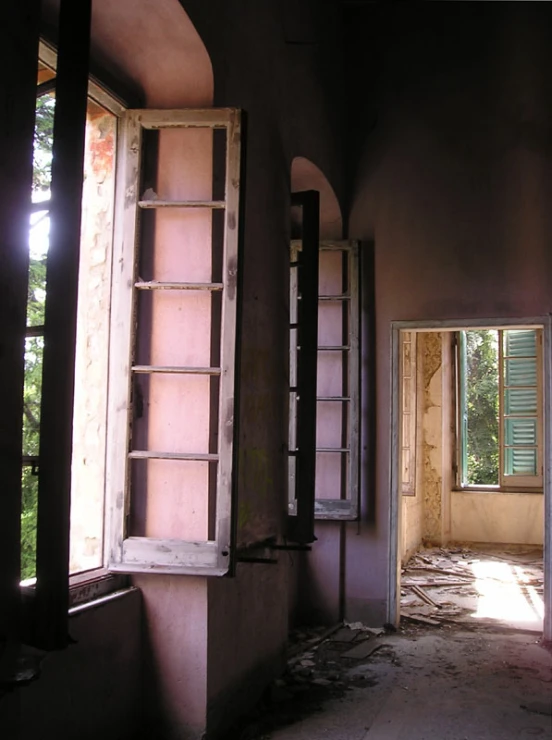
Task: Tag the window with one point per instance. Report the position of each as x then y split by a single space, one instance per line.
500 408
337 385
92 337
173 342
152 418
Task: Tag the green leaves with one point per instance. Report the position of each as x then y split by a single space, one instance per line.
482 402
34 346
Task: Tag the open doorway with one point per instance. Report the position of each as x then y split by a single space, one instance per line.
469 489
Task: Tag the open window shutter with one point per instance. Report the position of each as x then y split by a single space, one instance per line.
172 366
520 402
58 375
303 364
338 384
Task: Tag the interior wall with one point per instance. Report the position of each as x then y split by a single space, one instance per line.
505 518
201 640
412 525
412 513
92 688
431 457
441 514
453 185
288 91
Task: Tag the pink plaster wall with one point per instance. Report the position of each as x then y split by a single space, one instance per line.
315 584
453 185
174 696
205 641
91 689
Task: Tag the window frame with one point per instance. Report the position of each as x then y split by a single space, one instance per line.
143 554
86 585
507 483
303 352
340 509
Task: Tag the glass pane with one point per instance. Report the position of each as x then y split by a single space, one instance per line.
39 232
178 168
520 461
331 373
44 73
36 296
331 272
161 401
332 323
43 143
29 490
173 499
520 401
520 372
332 424
34 351
173 245
520 432
91 362
166 315
482 391
332 481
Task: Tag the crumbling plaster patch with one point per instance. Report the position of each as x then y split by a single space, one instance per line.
432 435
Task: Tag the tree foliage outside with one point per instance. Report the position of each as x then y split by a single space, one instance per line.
482 407
38 246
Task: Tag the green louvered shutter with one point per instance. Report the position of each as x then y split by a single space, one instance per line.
521 464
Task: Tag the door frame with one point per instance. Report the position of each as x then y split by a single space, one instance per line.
395 508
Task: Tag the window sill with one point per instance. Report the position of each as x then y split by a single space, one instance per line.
497 489
96 603
89 587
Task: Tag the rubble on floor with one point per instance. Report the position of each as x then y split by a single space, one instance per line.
321 666
328 668
448 584
352 682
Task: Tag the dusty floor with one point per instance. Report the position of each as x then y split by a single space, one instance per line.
476 585
421 683
466 663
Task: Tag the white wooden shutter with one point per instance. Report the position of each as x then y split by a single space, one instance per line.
136 376
338 384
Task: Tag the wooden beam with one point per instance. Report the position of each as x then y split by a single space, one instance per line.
301 526
18 53
60 325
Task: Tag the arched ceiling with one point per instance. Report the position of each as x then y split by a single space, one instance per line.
152 45
307 176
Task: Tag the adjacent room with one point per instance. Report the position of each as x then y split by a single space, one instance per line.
471 467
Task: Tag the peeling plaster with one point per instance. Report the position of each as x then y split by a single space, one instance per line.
432 435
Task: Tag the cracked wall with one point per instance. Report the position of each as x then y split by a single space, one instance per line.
432 437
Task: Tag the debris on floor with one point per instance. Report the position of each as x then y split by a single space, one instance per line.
352 682
441 591
322 665
458 584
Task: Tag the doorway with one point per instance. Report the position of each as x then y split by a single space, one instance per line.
452 503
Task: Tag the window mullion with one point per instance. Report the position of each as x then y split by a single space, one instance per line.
124 267
301 522
138 370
